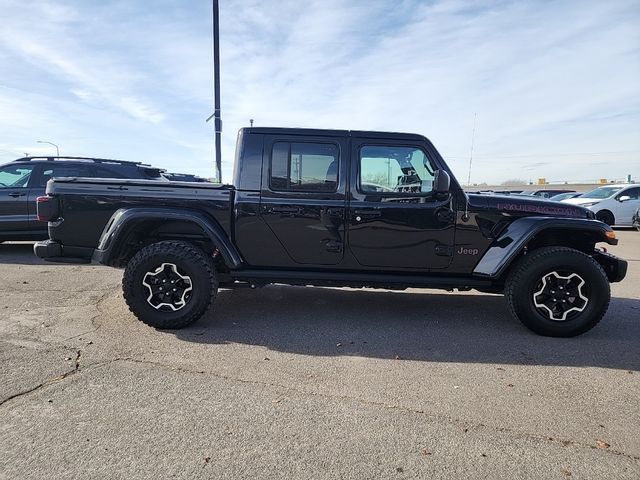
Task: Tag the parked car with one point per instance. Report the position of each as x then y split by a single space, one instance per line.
636 219
544 192
564 196
25 179
613 204
333 208
183 177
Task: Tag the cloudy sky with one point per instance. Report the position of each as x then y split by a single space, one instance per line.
555 84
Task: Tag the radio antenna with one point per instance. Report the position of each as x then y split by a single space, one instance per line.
473 136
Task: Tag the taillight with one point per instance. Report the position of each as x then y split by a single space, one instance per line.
46 208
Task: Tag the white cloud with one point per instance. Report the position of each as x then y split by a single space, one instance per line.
554 84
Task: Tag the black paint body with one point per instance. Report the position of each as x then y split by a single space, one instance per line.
345 237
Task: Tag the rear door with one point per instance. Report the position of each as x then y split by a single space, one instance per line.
396 221
303 196
14 197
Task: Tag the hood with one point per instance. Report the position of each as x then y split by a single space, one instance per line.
582 200
525 206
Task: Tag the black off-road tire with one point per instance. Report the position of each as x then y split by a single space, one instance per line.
525 278
190 261
607 217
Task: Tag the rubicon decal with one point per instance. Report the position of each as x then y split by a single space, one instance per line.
544 209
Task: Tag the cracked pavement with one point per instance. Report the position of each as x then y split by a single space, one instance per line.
291 382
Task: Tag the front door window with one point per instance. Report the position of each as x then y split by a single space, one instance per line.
15 176
393 169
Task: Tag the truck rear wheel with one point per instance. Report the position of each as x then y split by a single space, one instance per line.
169 284
558 292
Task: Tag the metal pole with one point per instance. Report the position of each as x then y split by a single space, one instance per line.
216 89
51 143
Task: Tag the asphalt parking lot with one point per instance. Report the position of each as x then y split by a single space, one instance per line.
290 382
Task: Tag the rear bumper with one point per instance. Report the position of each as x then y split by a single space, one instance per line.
615 268
53 251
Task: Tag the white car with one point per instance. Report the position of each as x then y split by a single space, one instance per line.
613 204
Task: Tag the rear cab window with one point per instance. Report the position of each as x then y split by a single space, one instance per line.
304 167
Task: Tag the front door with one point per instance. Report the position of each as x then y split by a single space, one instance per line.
15 215
395 219
303 197
624 212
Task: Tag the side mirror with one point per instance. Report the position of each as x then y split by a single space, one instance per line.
441 181
624 198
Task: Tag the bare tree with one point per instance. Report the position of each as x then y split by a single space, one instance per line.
514 181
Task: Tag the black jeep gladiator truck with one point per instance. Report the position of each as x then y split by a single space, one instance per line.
333 208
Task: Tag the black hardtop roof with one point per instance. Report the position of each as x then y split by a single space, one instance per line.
85 159
319 132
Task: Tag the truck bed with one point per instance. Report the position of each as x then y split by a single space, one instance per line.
87 204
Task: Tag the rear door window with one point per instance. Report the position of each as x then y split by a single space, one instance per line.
62 170
103 172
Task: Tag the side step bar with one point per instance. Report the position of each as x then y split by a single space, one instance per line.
342 279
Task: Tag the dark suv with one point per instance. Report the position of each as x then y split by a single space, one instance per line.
25 179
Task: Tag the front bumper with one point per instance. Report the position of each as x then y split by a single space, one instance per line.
614 267
53 251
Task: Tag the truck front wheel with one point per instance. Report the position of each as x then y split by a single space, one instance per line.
169 284
558 291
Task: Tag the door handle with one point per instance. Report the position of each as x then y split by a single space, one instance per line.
17 194
366 214
335 212
334 246
289 210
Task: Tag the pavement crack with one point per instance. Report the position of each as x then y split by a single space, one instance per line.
57 379
21 394
39 386
466 425
99 308
77 364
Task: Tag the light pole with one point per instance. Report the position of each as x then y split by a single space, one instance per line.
217 118
51 143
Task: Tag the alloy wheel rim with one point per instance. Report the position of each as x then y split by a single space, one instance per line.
560 297
167 289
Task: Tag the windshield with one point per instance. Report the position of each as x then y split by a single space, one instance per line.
562 196
602 192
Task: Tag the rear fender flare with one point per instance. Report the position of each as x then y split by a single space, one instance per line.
518 234
124 219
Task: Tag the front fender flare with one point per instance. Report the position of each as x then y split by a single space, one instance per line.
516 236
124 219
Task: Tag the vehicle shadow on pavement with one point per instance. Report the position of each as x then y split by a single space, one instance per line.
20 254
436 327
